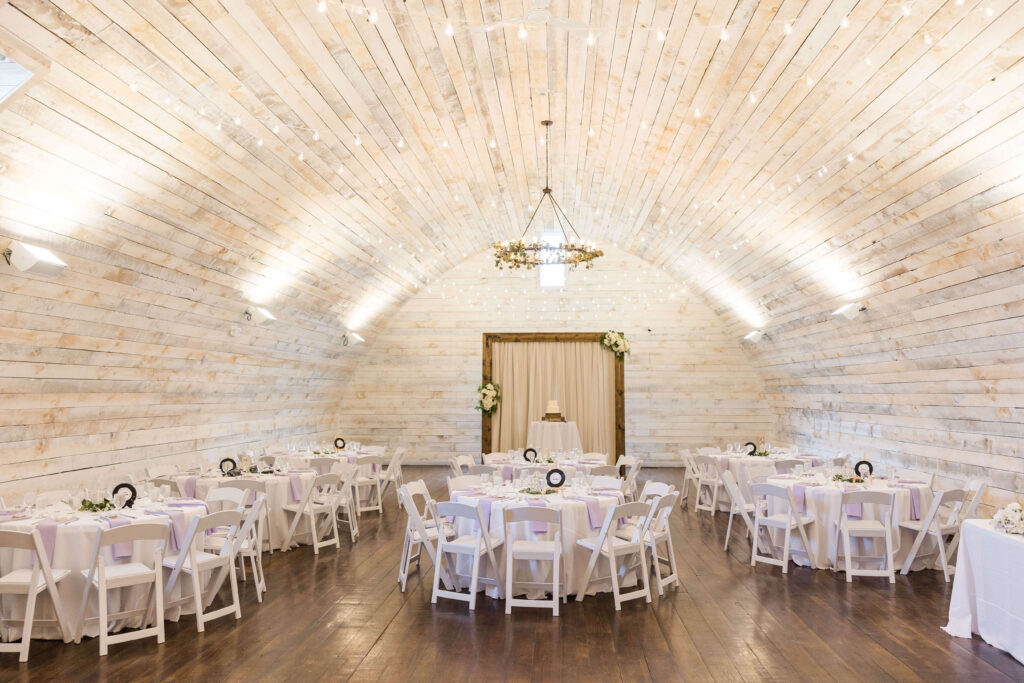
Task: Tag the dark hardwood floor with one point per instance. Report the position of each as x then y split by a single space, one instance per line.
340 616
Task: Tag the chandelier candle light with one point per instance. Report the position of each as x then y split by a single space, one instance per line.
521 253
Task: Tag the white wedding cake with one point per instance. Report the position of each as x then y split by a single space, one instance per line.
552 407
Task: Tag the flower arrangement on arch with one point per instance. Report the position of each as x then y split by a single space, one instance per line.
1010 518
616 342
488 397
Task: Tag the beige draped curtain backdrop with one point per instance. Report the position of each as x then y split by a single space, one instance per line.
580 375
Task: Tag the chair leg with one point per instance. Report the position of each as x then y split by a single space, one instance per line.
437 575
785 550
846 549
614 572
586 575
508 580
556 574
474 578
728 528
403 566
942 555
26 628
912 555
888 555
234 590
714 497
197 599
313 533
657 566
754 554
646 574
103 617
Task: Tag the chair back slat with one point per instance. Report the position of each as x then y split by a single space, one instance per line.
526 513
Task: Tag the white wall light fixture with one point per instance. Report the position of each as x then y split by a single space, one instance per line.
850 310
753 336
33 259
259 315
351 339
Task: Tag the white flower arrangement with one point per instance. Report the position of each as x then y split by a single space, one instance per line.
616 342
1010 518
488 397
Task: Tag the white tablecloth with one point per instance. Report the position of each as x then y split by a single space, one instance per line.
73 550
570 467
822 503
281 490
554 436
988 595
576 524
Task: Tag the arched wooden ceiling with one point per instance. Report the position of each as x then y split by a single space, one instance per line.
776 154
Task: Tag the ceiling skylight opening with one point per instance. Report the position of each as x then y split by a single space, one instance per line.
12 77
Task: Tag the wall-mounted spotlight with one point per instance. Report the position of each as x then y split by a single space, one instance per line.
33 259
352 339
259 315
849 311
753 336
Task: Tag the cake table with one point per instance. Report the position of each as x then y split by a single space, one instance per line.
553 436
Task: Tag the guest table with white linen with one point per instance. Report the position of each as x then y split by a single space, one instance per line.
570 467
583 514
988 595
282 489
821 500
548 437
69 539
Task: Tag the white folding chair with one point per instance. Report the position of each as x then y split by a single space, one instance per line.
458 462
369 481
249 544
255 488
347 505
869 529
322 465
30 583
629 487
709 483
477 545
901 474
495 458
660 533
465 481
226 498
532 551
689 475
784 521
738 506
172 485
605 482
478 470
606 544
968 510
320 500
932 525
195 561
604 471
104 577
393 473
785 466
421 530
708 450
654 489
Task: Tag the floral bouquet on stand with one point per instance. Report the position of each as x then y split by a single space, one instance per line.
1010 518
488 397
616 343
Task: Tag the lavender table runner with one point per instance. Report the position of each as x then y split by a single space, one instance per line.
120 551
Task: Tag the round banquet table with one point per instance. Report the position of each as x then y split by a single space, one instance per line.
549 437
282 489
822 501
570 467
70 546
987 598
582 516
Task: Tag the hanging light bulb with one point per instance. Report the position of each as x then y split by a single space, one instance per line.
373 16
316 136
276 129
341 169
590 133
238 121
725 35
753 98
494 143
357 141
259 142
401 142
810 81
696 112
661 36
789 28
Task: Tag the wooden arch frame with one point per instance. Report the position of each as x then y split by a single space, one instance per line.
620 378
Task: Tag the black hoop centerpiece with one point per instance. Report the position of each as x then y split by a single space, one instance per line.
231 465
126 487
526 455
555 478
857 468
340 446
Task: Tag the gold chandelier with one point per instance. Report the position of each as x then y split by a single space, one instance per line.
522 253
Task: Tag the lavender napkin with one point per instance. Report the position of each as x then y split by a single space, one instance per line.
48 532
800 498
485 510
538 527
507 472
190 486
915 498
177 526
120 551
297 490
855 510
593 510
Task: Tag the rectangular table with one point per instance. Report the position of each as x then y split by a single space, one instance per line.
988 595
